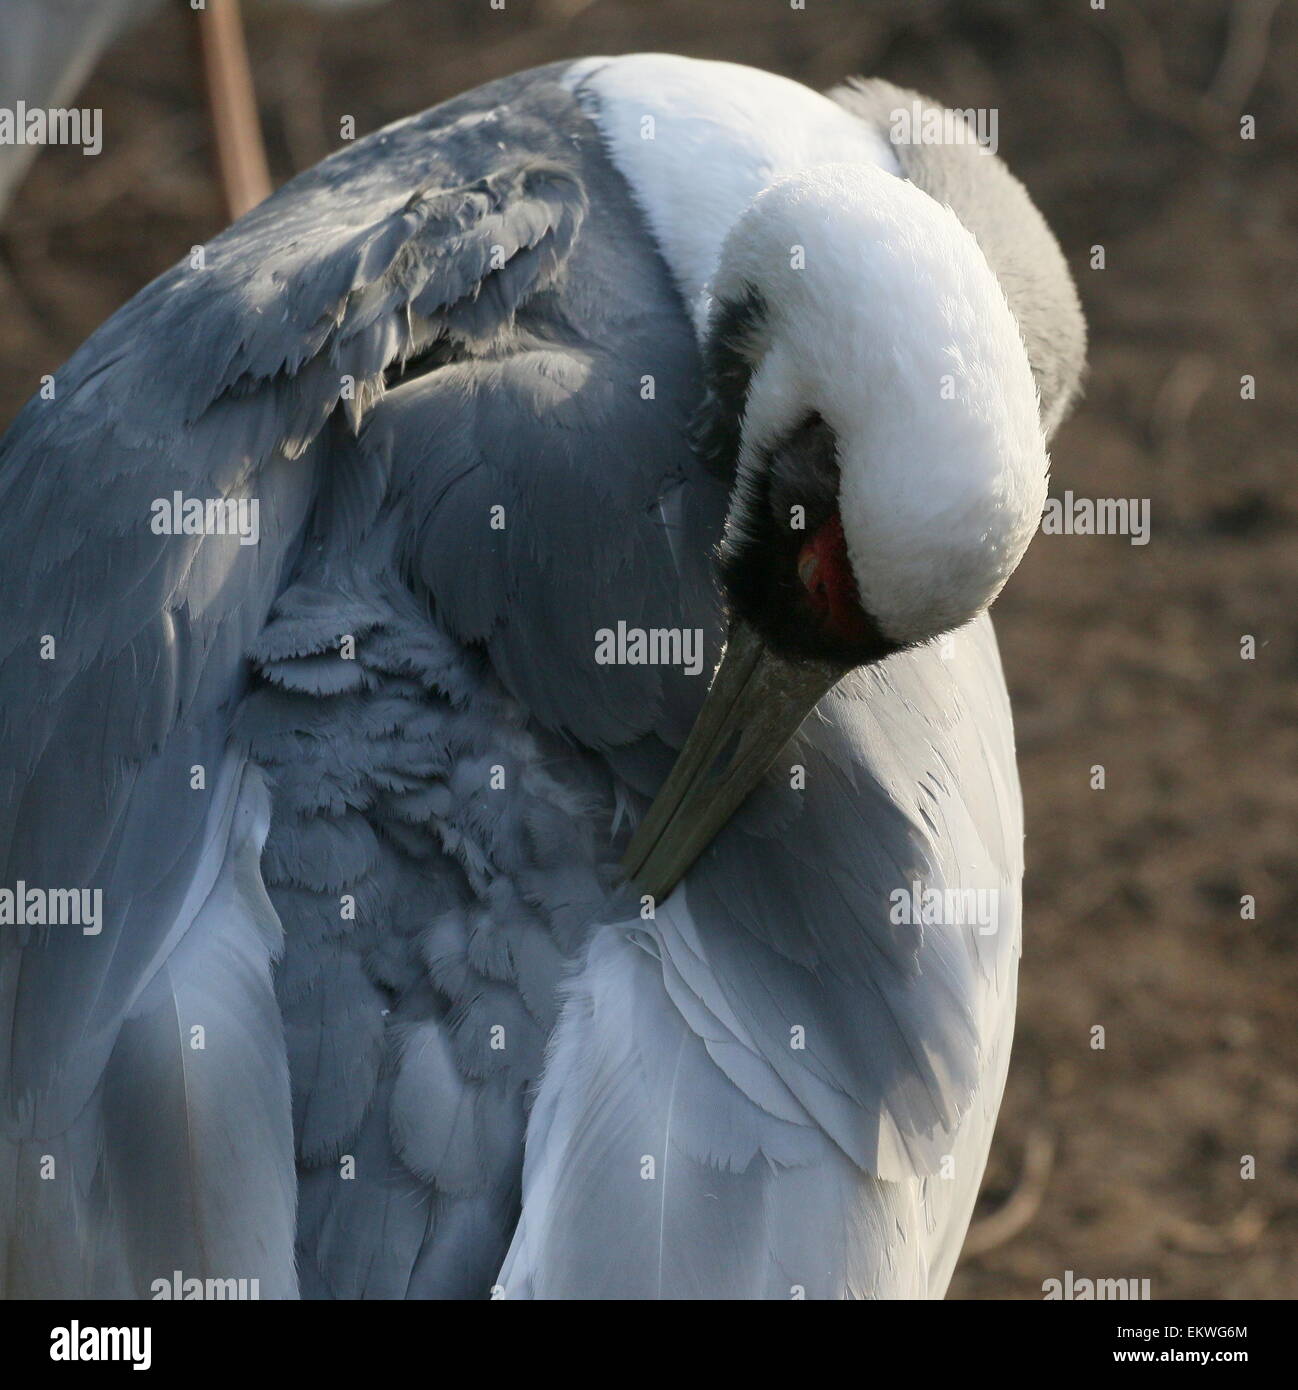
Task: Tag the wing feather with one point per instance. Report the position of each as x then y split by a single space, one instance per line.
775 1088
124 661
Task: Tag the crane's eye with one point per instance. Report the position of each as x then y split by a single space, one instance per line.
825 573
811 572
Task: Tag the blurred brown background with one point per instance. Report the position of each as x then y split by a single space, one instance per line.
1124 124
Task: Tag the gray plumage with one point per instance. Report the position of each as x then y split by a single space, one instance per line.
1014 237
401 708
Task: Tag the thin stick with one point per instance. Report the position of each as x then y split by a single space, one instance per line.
1017 1213
240 151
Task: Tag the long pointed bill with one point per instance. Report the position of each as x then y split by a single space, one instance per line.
753 708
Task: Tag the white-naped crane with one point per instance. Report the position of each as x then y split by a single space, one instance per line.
441 954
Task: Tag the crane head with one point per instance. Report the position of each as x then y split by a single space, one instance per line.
871 394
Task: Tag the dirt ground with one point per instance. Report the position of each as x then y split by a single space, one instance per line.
1124 123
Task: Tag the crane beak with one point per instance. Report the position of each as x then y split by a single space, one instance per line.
754 706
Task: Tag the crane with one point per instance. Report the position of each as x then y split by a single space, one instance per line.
504 632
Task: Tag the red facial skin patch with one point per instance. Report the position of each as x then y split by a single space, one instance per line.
826 574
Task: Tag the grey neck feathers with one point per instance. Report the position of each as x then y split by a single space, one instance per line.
1013 235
